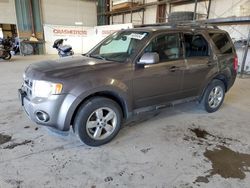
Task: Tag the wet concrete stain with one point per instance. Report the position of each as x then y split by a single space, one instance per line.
121 173
201 179
13 145
202 137
108 179
4 138
15 183
200 133
145 150
228 163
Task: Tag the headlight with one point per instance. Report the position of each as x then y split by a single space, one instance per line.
45 89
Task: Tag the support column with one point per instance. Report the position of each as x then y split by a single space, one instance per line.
29 22
208 9
195 10
161 12
102 7
23 18
245 56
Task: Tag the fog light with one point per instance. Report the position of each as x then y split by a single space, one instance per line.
42 116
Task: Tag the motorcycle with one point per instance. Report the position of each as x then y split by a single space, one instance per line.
5 48
63 50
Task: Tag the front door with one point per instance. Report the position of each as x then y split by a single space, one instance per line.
161 82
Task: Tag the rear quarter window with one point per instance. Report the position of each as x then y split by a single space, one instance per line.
222 42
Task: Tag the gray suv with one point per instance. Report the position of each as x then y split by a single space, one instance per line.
129 72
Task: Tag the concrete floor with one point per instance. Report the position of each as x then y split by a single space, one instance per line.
161 152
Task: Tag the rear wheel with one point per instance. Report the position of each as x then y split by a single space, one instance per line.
214 96
98 121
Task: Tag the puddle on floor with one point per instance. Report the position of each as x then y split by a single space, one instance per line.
228 163
225 162
4 138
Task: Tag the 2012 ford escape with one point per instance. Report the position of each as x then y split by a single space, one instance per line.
130 71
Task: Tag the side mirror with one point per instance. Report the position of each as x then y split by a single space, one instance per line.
149 58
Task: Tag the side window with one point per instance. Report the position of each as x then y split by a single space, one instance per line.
222 42
195 45
167 46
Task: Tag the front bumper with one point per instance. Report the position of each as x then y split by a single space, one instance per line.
55 109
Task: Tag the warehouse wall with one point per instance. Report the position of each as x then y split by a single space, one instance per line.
228 8
67 12
219 8
149 16
201 7
223 8
7 12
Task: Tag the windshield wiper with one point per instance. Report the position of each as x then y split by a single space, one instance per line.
98 56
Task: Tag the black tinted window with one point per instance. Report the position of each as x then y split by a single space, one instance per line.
167 46
222 42
195 45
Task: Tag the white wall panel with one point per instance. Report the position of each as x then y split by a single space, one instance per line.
7 12
117 19
229 8
150 15
67 12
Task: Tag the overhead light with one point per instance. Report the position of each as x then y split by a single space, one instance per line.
78 23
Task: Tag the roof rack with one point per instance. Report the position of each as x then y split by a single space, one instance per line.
193 24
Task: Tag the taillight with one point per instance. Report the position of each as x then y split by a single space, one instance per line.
236 63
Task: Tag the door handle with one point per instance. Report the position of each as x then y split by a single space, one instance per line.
173 68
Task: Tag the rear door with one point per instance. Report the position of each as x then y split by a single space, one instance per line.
199 63
161 82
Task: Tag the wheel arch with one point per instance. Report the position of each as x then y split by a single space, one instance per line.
107 94
222 77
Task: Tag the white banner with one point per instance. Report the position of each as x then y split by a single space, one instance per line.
76 36
1 33
82 39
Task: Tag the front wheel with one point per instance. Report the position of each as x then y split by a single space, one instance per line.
7 55
214 96
98 121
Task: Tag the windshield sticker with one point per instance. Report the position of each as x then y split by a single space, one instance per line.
137 36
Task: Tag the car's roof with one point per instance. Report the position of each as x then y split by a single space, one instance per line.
172 28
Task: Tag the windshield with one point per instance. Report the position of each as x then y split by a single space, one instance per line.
119 46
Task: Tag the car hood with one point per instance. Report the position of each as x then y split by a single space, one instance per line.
67 67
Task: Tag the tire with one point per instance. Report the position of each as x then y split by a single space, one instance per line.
93 130
214 96
180 16
7 56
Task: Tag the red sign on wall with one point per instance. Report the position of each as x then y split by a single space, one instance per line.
72 32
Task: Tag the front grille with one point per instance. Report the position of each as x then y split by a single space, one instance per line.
27 87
